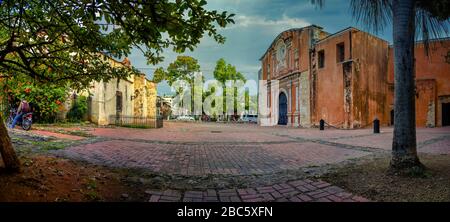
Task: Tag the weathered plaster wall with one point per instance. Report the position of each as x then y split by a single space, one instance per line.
104 100
351 93
304 100
433 68
138 97
426 102
151 95
370 56
329 91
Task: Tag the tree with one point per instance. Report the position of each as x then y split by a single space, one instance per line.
430 19
184 69
159 75
224 72
62 42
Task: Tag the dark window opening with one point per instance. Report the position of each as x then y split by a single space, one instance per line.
340 52
445 114
119 101
392 117
89 110
321 58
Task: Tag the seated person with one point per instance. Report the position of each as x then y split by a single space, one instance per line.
24 108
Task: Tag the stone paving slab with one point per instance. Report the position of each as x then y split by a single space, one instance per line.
294 191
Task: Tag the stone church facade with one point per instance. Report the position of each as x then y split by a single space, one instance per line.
133 98
346 79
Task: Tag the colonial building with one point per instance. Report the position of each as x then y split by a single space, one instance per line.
131 98
432 84
346 79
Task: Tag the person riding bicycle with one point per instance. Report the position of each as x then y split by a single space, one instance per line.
24 108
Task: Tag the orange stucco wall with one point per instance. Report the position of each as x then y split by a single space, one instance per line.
370 56
365 57
330 82
432 75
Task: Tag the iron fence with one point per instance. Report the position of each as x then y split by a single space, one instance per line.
136 121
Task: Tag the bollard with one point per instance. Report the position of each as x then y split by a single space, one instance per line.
376 126
322 124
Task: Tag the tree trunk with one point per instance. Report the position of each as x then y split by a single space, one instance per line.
7 151
404 146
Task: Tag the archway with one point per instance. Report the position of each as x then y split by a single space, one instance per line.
282 109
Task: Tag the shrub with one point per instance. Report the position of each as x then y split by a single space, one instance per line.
44 98
79 109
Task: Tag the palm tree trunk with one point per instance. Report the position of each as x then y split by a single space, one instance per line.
7 151
404 146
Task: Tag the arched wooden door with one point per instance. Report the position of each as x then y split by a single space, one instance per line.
282 109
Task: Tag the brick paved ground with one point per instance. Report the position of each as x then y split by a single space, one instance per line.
439 147
201 159
239 149
294 191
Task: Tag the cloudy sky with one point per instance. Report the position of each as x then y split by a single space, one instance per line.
258 22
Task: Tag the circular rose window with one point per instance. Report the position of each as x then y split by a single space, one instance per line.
281 52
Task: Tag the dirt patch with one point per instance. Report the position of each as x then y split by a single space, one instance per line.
48 179
80 130
368 177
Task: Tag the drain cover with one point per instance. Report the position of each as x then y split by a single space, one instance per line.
216 131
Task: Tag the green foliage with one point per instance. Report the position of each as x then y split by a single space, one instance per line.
78 110
61 42
46 99
224 72
159 75
182 68
431 17
438 9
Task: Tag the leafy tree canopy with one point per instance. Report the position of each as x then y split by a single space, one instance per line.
159 75
225 71
60 41
432 17
183 68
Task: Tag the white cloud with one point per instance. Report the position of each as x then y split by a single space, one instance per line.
285 22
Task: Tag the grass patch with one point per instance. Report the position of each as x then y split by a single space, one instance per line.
50 145
136 126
